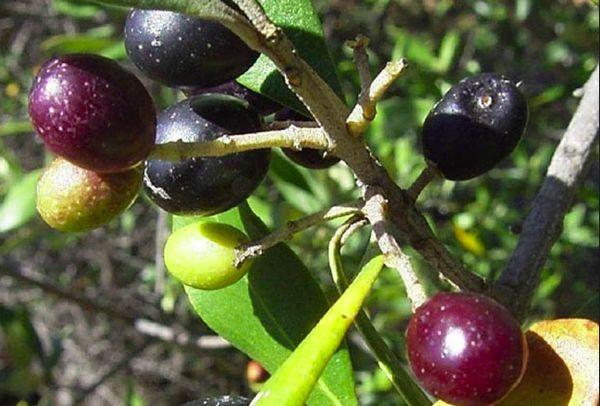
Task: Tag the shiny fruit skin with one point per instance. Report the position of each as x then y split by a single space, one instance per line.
307 157
466 349
73 199
92 112
260 103
178 50
201 255
207 185
478 123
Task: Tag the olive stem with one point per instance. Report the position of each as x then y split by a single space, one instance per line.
375 211
291 137
386 359
365 110
424 179
257 248
361 59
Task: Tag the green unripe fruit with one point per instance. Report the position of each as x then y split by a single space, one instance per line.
73 199
202 255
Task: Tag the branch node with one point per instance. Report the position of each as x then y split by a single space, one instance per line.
258 247
365 110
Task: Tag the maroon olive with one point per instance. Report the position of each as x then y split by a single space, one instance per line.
308 157
466 349
93 113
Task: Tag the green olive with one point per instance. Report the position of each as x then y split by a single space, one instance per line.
202 255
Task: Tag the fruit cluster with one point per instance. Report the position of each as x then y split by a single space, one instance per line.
101 123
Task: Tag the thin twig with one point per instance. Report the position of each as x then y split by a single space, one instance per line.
386 359
424 179
257 248
361 59
291 137
543 224
365 110
375 211
355 225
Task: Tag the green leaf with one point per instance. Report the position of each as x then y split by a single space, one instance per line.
80 10
65 44
18 207
294 380
300 21
268 313
15 127
448 50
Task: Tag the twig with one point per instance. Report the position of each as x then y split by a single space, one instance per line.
257 248
421 182
543 224
365 110
361 59
291 137
386 359
356 224
172 334
375 211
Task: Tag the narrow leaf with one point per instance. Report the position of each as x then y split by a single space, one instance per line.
294 380
18 207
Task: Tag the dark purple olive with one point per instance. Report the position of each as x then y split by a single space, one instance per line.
260 103
466 349
93 113
478 123
308 157
178 50
205 185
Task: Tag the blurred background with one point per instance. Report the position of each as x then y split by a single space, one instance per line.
93 318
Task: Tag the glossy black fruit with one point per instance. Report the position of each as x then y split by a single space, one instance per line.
179 50
308 157
260 103
92 112
205 186
474 126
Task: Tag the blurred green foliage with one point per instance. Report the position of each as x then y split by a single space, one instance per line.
551 46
